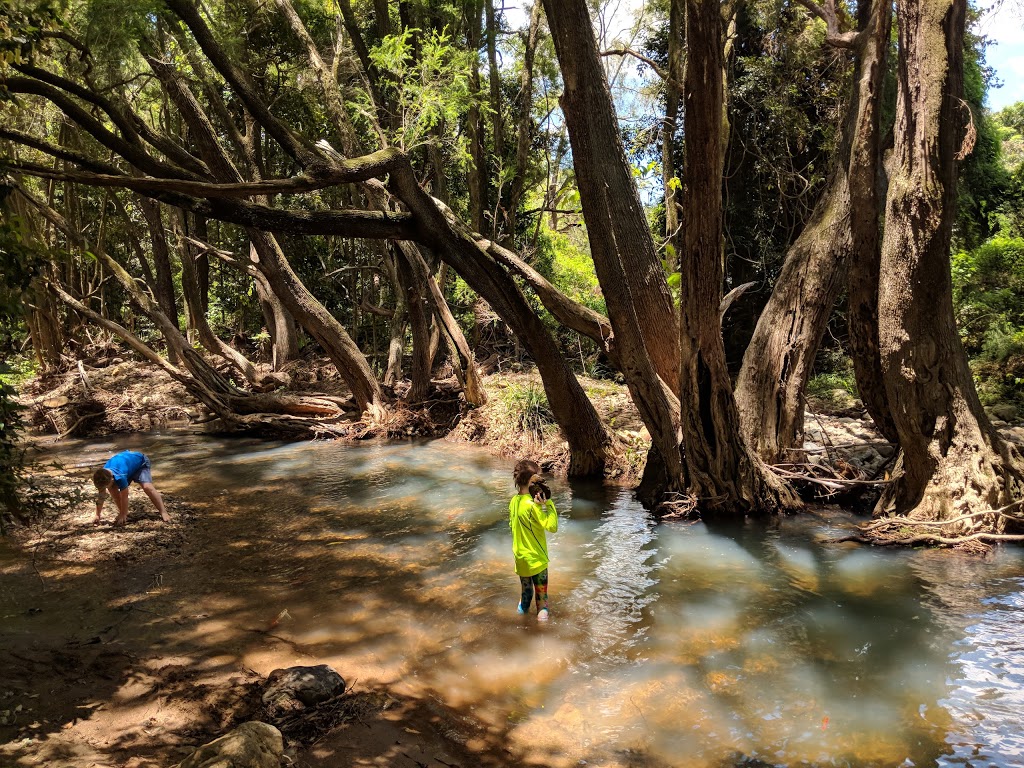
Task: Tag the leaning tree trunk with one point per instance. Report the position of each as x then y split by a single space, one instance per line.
281 326
770 390
721 472
627 265
192 292
313 316
955 464
318 322
164 287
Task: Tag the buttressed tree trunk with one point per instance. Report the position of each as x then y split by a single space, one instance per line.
770 390
954 461
720 470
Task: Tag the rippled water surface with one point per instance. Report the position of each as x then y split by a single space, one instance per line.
670 644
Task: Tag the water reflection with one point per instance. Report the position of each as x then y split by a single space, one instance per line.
669 644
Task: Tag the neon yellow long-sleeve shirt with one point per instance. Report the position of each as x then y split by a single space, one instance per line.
528 521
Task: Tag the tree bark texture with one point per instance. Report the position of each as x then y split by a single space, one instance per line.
770 389
724 476
954 461
284 333
164 287
628 268
194 305
866 203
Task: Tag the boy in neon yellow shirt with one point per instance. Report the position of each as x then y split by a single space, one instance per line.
530 513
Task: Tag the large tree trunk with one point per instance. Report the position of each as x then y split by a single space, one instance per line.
627 265
770 390
721 472
954 461
866 201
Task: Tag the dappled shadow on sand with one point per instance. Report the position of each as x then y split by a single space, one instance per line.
132 646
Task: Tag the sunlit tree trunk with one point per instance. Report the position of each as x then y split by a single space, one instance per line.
720 470
954 461
628 267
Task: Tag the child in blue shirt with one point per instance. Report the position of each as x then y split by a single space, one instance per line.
120 471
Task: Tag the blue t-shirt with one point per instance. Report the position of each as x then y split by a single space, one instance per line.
125 466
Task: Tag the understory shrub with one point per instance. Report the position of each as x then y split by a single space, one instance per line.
988 297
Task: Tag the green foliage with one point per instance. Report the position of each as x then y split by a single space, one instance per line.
22 26
429 87
1008 125
526 408
567 264
988 296
984 181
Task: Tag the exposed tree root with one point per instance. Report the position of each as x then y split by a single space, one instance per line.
678 506
900 531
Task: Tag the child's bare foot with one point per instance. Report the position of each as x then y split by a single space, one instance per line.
120 521
97 521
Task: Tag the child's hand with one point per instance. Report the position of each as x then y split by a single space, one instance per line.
539 499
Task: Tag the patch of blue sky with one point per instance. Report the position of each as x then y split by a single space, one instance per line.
1003 24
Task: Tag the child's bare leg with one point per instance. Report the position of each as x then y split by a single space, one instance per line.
154 495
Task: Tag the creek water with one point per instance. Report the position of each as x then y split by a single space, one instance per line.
669 644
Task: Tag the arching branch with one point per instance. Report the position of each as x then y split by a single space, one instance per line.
834 34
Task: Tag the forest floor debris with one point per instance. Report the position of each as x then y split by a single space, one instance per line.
116 396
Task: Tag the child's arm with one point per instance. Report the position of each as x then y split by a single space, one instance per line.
546 515
99 502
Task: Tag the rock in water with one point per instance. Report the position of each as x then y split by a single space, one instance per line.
250 745
296 688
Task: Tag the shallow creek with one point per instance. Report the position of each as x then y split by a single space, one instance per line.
671 644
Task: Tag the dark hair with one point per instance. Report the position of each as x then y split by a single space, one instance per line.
524 471
102 478
539 486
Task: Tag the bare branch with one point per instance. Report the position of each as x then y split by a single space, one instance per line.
646 60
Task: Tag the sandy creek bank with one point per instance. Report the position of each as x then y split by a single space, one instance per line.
128 647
